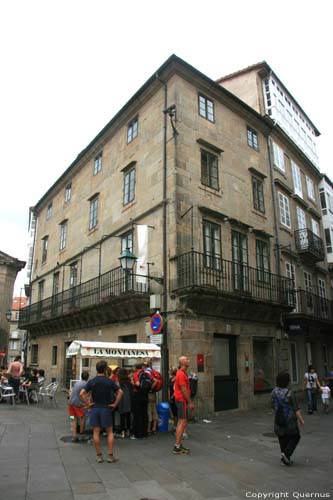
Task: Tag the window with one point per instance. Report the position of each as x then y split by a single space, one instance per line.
40 291
212 245
54 355
98 163
258 194
263 364
49 211
297 179
129 186
323 201
127 242
73 275
308 289
93 212
209 170
55 286
322 294
328 240
85 362
262 255
34 354
132 130
290 273
293 362
63 235
13 344
329 202
206 108
252 139
310 188
68 192
278 157
315 227
240 261
284 210
45 245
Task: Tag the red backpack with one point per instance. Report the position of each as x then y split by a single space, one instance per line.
157 376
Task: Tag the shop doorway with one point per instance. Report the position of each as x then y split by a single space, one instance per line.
68 368
225 373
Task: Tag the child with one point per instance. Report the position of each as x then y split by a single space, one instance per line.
325 395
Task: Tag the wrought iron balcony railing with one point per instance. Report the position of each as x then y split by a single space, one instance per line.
310 244
196 269
96 291
314 305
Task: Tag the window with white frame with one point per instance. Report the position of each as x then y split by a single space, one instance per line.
323 201
63 235
68 192
308 281
49 211
93 212
322 288
278 157
129 186
132 130
206 108
290 273
310 188
297 179
315 227
284 210
328 240
293 359
98 163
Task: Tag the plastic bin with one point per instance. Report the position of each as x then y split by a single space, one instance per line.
163 410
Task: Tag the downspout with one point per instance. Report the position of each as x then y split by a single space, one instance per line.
165 350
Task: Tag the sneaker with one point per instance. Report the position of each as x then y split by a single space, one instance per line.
285 459
122 435
185 449
132 437
99 458
180 450
111 459
185 435
75 439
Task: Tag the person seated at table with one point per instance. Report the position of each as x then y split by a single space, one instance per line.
41 376
31 383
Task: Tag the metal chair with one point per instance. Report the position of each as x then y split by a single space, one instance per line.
7 393
48 393
24 391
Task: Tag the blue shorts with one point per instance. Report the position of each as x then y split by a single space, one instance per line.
101 417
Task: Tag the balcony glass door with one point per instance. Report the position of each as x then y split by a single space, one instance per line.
240 261
303 233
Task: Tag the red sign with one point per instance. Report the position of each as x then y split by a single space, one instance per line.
156 323
200 362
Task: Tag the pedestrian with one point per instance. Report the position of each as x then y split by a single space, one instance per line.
287 416
171 395
183 402
140 402
106 396
329 378
125 405
76 407
325 395
311 384
152 400
41 376
15 370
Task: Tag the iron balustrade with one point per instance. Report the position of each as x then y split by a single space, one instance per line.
96 291
195 269
313 305
307 241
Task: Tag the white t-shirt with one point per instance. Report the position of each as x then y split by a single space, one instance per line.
325 392
311 380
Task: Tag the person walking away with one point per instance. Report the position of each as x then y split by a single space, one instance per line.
311 384
106 396
76 407
125 405
184 403
171 395
14 371
287 415
325 395
329 378
141 387
152 399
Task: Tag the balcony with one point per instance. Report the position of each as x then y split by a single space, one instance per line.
312 305
228 284
309 246
113 296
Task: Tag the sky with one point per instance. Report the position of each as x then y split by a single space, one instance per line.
68 66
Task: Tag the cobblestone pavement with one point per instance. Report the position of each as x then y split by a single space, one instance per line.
236 456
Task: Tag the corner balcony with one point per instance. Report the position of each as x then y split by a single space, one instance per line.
309 246
216 286
111 297
312 305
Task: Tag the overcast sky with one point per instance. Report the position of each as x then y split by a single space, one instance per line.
68 66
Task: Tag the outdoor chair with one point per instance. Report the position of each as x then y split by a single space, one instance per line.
48 393
23 391
7 393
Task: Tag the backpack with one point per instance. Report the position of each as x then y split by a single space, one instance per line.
159 384
144 382
193 379
284 413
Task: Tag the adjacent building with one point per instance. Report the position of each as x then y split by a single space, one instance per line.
221 206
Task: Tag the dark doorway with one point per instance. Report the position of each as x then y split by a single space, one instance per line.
68 368
225 373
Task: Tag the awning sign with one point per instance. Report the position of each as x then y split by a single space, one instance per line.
86 349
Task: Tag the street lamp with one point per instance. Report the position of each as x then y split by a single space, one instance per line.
9 314
127 260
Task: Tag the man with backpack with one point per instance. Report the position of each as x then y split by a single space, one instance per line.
156 386
141 386
287 415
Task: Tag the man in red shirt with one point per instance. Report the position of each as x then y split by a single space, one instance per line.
183 402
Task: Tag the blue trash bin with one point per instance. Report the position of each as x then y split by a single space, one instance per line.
163 410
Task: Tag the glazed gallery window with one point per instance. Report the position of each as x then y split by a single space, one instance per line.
263 364
258 194
98 163
212 245
284 210
297 179
132 130
45 246
129 186
278 157
63 235
68 192
310 188
252 139
206 108
93 212
209 170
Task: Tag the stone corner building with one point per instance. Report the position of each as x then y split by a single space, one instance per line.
9 267
229 192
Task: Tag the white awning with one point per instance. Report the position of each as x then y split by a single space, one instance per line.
85 349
